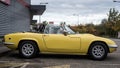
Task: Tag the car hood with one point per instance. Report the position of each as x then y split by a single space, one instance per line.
89 36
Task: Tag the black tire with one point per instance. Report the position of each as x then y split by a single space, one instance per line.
98 51
28 49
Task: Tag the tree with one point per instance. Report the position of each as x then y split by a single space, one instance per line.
91 28
101 29
113 23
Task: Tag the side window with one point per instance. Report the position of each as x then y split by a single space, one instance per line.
54 30
50 29
60 30
46 31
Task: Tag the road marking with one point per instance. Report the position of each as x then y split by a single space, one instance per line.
8 64
14 65
4 61
61 66
110 64
25 64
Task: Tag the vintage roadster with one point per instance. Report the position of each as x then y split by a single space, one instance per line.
59 40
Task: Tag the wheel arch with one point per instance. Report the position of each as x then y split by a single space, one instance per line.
28 40
97 42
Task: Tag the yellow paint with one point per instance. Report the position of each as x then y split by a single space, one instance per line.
61 43
58 43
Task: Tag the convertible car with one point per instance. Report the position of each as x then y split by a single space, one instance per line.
59 40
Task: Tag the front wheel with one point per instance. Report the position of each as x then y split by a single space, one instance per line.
98 51
28 49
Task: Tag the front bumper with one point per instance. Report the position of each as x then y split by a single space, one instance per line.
112 48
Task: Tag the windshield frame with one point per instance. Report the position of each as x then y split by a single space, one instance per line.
69 30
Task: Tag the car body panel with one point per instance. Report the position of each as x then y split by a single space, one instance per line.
51 43
17 37
61 43
58 40
88 39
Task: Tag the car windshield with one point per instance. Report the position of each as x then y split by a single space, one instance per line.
70 31
54 29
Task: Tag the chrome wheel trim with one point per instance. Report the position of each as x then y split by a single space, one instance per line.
98 51
27 49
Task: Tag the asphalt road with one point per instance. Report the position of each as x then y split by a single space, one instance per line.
11 59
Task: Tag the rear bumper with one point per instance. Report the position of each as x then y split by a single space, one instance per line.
8 43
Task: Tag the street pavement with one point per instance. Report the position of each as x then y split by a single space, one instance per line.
11 59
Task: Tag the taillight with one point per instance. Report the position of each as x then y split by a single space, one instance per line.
3 39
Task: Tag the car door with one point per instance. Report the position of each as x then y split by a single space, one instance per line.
62 43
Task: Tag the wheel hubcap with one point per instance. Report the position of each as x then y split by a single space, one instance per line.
27 49
98 51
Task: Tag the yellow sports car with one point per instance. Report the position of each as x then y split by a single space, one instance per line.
59 40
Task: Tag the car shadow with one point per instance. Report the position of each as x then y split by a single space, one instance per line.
62 56
15 55
49 56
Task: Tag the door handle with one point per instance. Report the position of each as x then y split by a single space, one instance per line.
45 35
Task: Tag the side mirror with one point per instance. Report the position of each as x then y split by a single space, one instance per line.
65 32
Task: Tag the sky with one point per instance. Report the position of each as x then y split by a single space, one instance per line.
75 12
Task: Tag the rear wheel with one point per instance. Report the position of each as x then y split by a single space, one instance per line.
98 51
28 49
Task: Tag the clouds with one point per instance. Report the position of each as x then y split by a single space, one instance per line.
89 10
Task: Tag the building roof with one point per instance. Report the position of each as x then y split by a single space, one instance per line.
37 9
